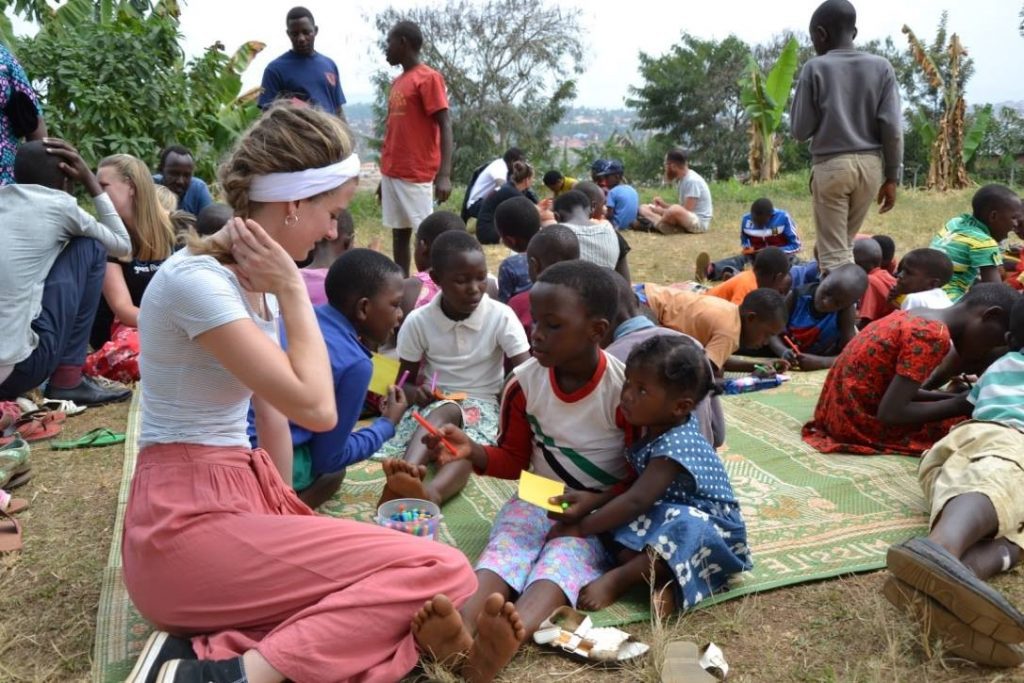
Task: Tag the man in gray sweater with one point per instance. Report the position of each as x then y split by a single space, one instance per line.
51 273
847 104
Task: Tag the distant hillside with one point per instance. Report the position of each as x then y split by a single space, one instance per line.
580 125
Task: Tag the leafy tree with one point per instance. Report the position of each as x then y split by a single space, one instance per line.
1001 147
510 68
642 155
691 95
1005 137
113 78
764 99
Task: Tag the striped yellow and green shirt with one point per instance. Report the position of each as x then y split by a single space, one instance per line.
970 247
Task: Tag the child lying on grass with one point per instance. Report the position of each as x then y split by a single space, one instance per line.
822 318
972 478
722 327
771 270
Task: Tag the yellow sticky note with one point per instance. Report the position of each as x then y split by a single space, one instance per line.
536 490
385 373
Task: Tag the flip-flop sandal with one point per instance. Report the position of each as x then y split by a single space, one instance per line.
39 425
69 408
97 438
957 637
11 505
931 569
10 533
46 415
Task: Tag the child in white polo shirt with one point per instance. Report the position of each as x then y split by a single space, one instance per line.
461 339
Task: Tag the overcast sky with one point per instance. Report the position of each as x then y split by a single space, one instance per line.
616 33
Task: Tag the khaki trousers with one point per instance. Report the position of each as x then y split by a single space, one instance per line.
844 188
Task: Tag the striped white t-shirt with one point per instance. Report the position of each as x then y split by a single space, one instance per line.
187 395
999 394
576 438
598 243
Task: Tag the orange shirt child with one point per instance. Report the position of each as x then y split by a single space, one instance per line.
736 288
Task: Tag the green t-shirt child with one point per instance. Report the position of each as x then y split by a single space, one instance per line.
970 247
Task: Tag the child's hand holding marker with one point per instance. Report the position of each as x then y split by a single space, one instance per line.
394 405
794 354
447 443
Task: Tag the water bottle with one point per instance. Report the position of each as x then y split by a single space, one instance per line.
743 385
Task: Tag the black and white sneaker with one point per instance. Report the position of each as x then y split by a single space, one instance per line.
205 671
161 647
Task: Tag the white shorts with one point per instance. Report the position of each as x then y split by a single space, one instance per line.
405 204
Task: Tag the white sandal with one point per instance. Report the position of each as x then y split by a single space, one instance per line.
69 408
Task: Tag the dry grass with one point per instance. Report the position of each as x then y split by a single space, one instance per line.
49 592
840 630
916 218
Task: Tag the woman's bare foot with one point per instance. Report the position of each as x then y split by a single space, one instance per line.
439 631
603 591
404 480
499 632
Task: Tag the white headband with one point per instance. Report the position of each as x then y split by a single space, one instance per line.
291 187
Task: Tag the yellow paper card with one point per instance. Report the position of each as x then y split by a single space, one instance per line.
385 373
536 490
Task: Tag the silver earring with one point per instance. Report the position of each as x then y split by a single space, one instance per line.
291 220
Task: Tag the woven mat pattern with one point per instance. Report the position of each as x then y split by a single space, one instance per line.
810 516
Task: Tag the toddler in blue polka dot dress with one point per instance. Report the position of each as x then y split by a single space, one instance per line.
679 525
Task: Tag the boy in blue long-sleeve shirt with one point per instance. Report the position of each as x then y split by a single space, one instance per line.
764 226
364 306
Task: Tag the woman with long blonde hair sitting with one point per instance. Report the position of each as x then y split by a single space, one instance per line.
128 183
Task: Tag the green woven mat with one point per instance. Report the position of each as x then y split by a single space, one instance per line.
809 516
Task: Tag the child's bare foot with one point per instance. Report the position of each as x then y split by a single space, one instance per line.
604 591
499 632
404 480
439 631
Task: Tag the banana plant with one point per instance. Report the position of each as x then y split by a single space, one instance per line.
765 99
976 132
953 143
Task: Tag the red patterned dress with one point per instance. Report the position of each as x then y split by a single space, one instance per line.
845 418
